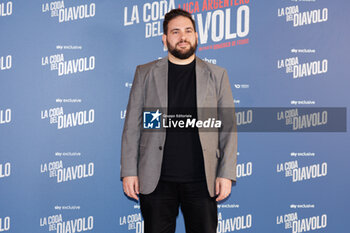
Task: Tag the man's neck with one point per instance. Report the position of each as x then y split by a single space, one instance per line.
178 61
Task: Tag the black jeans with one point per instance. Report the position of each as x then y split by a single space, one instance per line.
161 207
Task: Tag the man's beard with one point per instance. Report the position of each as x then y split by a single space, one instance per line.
178 54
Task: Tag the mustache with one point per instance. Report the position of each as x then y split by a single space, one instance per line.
183 41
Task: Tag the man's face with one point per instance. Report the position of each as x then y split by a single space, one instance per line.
181 39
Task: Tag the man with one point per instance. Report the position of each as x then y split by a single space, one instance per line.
193 169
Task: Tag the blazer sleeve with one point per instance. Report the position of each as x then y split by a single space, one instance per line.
228 131
132 128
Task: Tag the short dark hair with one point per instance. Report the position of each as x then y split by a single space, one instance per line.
173 14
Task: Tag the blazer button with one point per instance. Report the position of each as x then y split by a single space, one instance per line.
160 147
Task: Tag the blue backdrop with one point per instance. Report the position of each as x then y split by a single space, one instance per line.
66 68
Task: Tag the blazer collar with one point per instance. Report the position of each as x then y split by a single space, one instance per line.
161 76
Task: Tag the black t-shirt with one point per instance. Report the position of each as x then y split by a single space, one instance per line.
183 156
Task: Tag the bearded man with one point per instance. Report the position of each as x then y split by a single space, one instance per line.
190 168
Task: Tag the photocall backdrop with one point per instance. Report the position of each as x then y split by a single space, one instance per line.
66 69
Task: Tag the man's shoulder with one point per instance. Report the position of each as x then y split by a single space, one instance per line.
149 65
213 68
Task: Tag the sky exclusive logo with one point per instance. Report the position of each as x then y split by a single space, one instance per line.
299 225
68 120
228 206
302 206
67 67
67 154
68 13
64 174
301 18
57 224
302 154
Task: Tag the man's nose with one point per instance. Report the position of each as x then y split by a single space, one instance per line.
183 36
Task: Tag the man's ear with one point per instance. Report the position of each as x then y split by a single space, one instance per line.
197 37
164 40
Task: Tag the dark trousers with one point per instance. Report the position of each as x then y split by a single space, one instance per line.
160 208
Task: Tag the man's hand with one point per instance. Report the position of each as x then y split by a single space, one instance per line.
131 186
222 187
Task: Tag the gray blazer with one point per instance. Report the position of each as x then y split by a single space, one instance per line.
142 152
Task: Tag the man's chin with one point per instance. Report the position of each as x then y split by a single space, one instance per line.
183 52
183 49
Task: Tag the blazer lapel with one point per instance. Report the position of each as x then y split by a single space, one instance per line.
202 79
161 76
161 82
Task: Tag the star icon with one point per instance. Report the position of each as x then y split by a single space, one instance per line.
156 115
